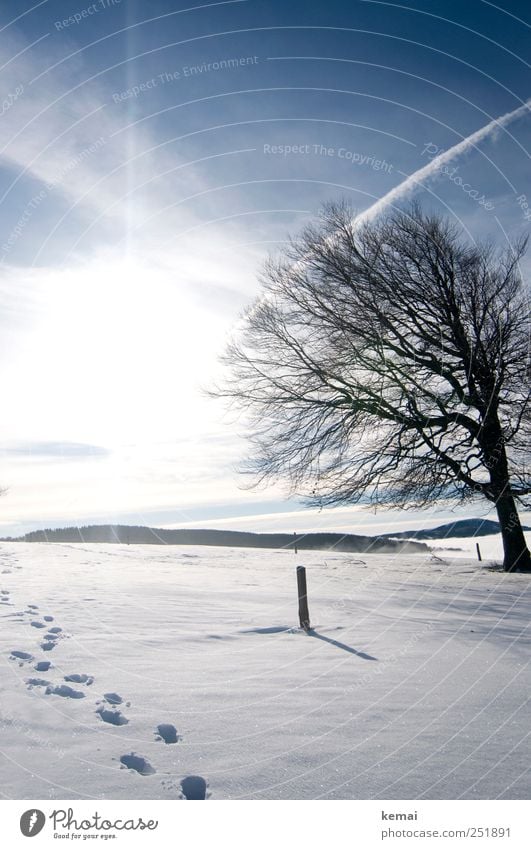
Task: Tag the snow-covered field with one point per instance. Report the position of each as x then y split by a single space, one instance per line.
412 685
490 546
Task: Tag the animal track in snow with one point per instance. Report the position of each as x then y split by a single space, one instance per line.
42 665
48 618
33 606
168 733
65 691
80 678
171 786
48 646
113 717
137 763
37 624
55 630
194 787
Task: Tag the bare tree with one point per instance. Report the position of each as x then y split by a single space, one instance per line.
391 362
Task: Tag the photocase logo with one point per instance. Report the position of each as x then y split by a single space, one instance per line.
32 822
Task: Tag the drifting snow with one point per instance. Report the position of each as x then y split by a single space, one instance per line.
411 684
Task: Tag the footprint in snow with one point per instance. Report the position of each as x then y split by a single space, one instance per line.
4 592
113 717
65 691
168 733
137 763
51 638
113 698
23 656
37 682
80 678
33 606
48 618
42 665
194 787
36 624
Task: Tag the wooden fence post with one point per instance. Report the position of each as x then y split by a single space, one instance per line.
304 615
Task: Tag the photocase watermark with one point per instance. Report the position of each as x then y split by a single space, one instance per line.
405 649
185 72
37 199
432 150
514 521
32 822
10 99
76 160
12 722
65 820
522 202
65 824
370 576
23 222
369 160
87 12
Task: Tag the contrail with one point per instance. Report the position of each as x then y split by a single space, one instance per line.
409 185
431 169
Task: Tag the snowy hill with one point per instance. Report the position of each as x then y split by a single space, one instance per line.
460 529
192 536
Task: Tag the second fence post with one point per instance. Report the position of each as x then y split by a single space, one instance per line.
304 615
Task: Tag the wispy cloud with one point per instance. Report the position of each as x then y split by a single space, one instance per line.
54 450
62 132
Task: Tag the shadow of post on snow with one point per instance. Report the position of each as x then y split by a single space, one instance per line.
312 633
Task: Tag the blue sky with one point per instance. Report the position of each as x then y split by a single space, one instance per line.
151 155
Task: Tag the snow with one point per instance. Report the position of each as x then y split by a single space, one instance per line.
491 546
179 672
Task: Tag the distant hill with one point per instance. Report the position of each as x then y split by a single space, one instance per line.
163 536
462 528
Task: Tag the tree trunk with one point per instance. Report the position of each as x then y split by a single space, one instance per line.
516 553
